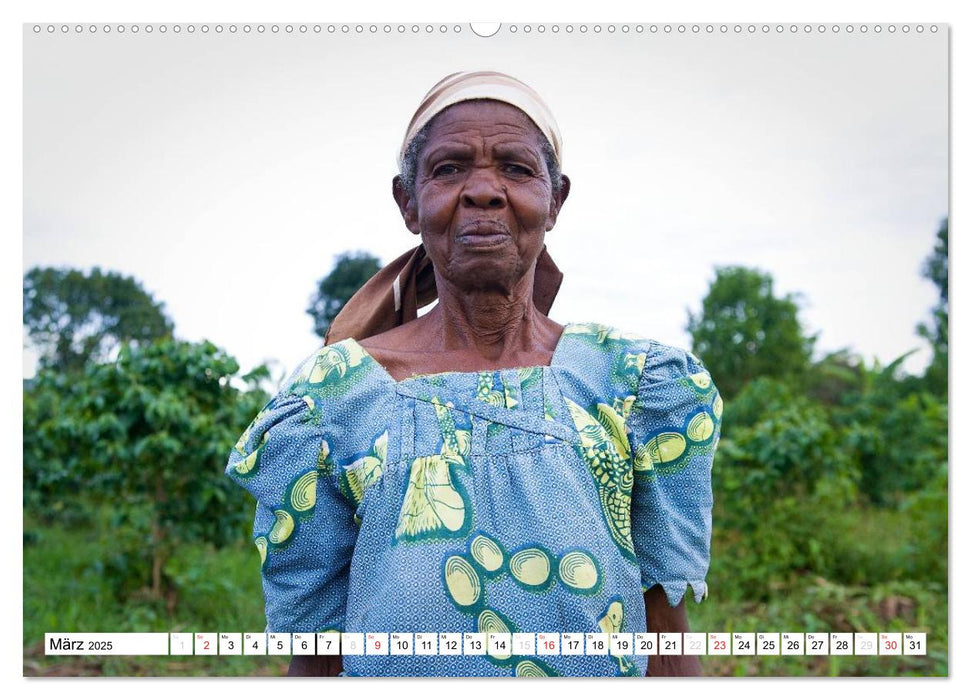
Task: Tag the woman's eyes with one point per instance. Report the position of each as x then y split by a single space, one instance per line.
516 169
447 169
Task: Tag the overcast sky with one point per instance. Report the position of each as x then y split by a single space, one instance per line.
225 171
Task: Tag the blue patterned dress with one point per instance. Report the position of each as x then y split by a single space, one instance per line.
538 499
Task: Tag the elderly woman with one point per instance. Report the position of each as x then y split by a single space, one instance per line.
482 468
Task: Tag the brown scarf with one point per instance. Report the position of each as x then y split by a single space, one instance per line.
393 296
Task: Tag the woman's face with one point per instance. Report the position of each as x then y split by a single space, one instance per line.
483 199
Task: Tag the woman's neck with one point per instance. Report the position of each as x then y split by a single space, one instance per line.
469 331
490 323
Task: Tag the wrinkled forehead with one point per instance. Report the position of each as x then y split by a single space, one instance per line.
489 119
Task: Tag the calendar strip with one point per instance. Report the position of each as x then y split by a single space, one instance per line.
480 644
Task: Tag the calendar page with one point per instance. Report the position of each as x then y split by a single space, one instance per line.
753 220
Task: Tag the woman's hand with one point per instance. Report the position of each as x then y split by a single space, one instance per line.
661 617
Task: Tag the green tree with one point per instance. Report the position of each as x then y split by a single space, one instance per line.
835 377
935 270
350 272
896 432
146 437
744 331
73 317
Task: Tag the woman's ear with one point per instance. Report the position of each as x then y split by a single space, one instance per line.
556 202
406 204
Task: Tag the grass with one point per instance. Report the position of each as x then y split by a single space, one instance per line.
65 592
869 570
822 606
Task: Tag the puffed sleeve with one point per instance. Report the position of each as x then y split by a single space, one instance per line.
674 428
304 528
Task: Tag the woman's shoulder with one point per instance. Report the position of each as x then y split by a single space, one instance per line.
329 366
334 401
652 360
338 384
611 340
588 341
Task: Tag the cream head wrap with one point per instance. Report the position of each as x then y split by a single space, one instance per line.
484 85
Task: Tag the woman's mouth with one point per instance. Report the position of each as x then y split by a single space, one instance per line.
482 235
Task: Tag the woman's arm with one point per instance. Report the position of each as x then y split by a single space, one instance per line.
661 617
316 666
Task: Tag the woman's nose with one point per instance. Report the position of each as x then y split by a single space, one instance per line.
483 190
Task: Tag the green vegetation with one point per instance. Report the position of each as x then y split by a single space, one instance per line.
65 590
351 271
830 487
120 433
935 269
129 523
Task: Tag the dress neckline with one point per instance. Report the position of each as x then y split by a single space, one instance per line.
557 351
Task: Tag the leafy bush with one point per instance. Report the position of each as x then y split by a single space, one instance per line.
897 433
927 515
148 436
